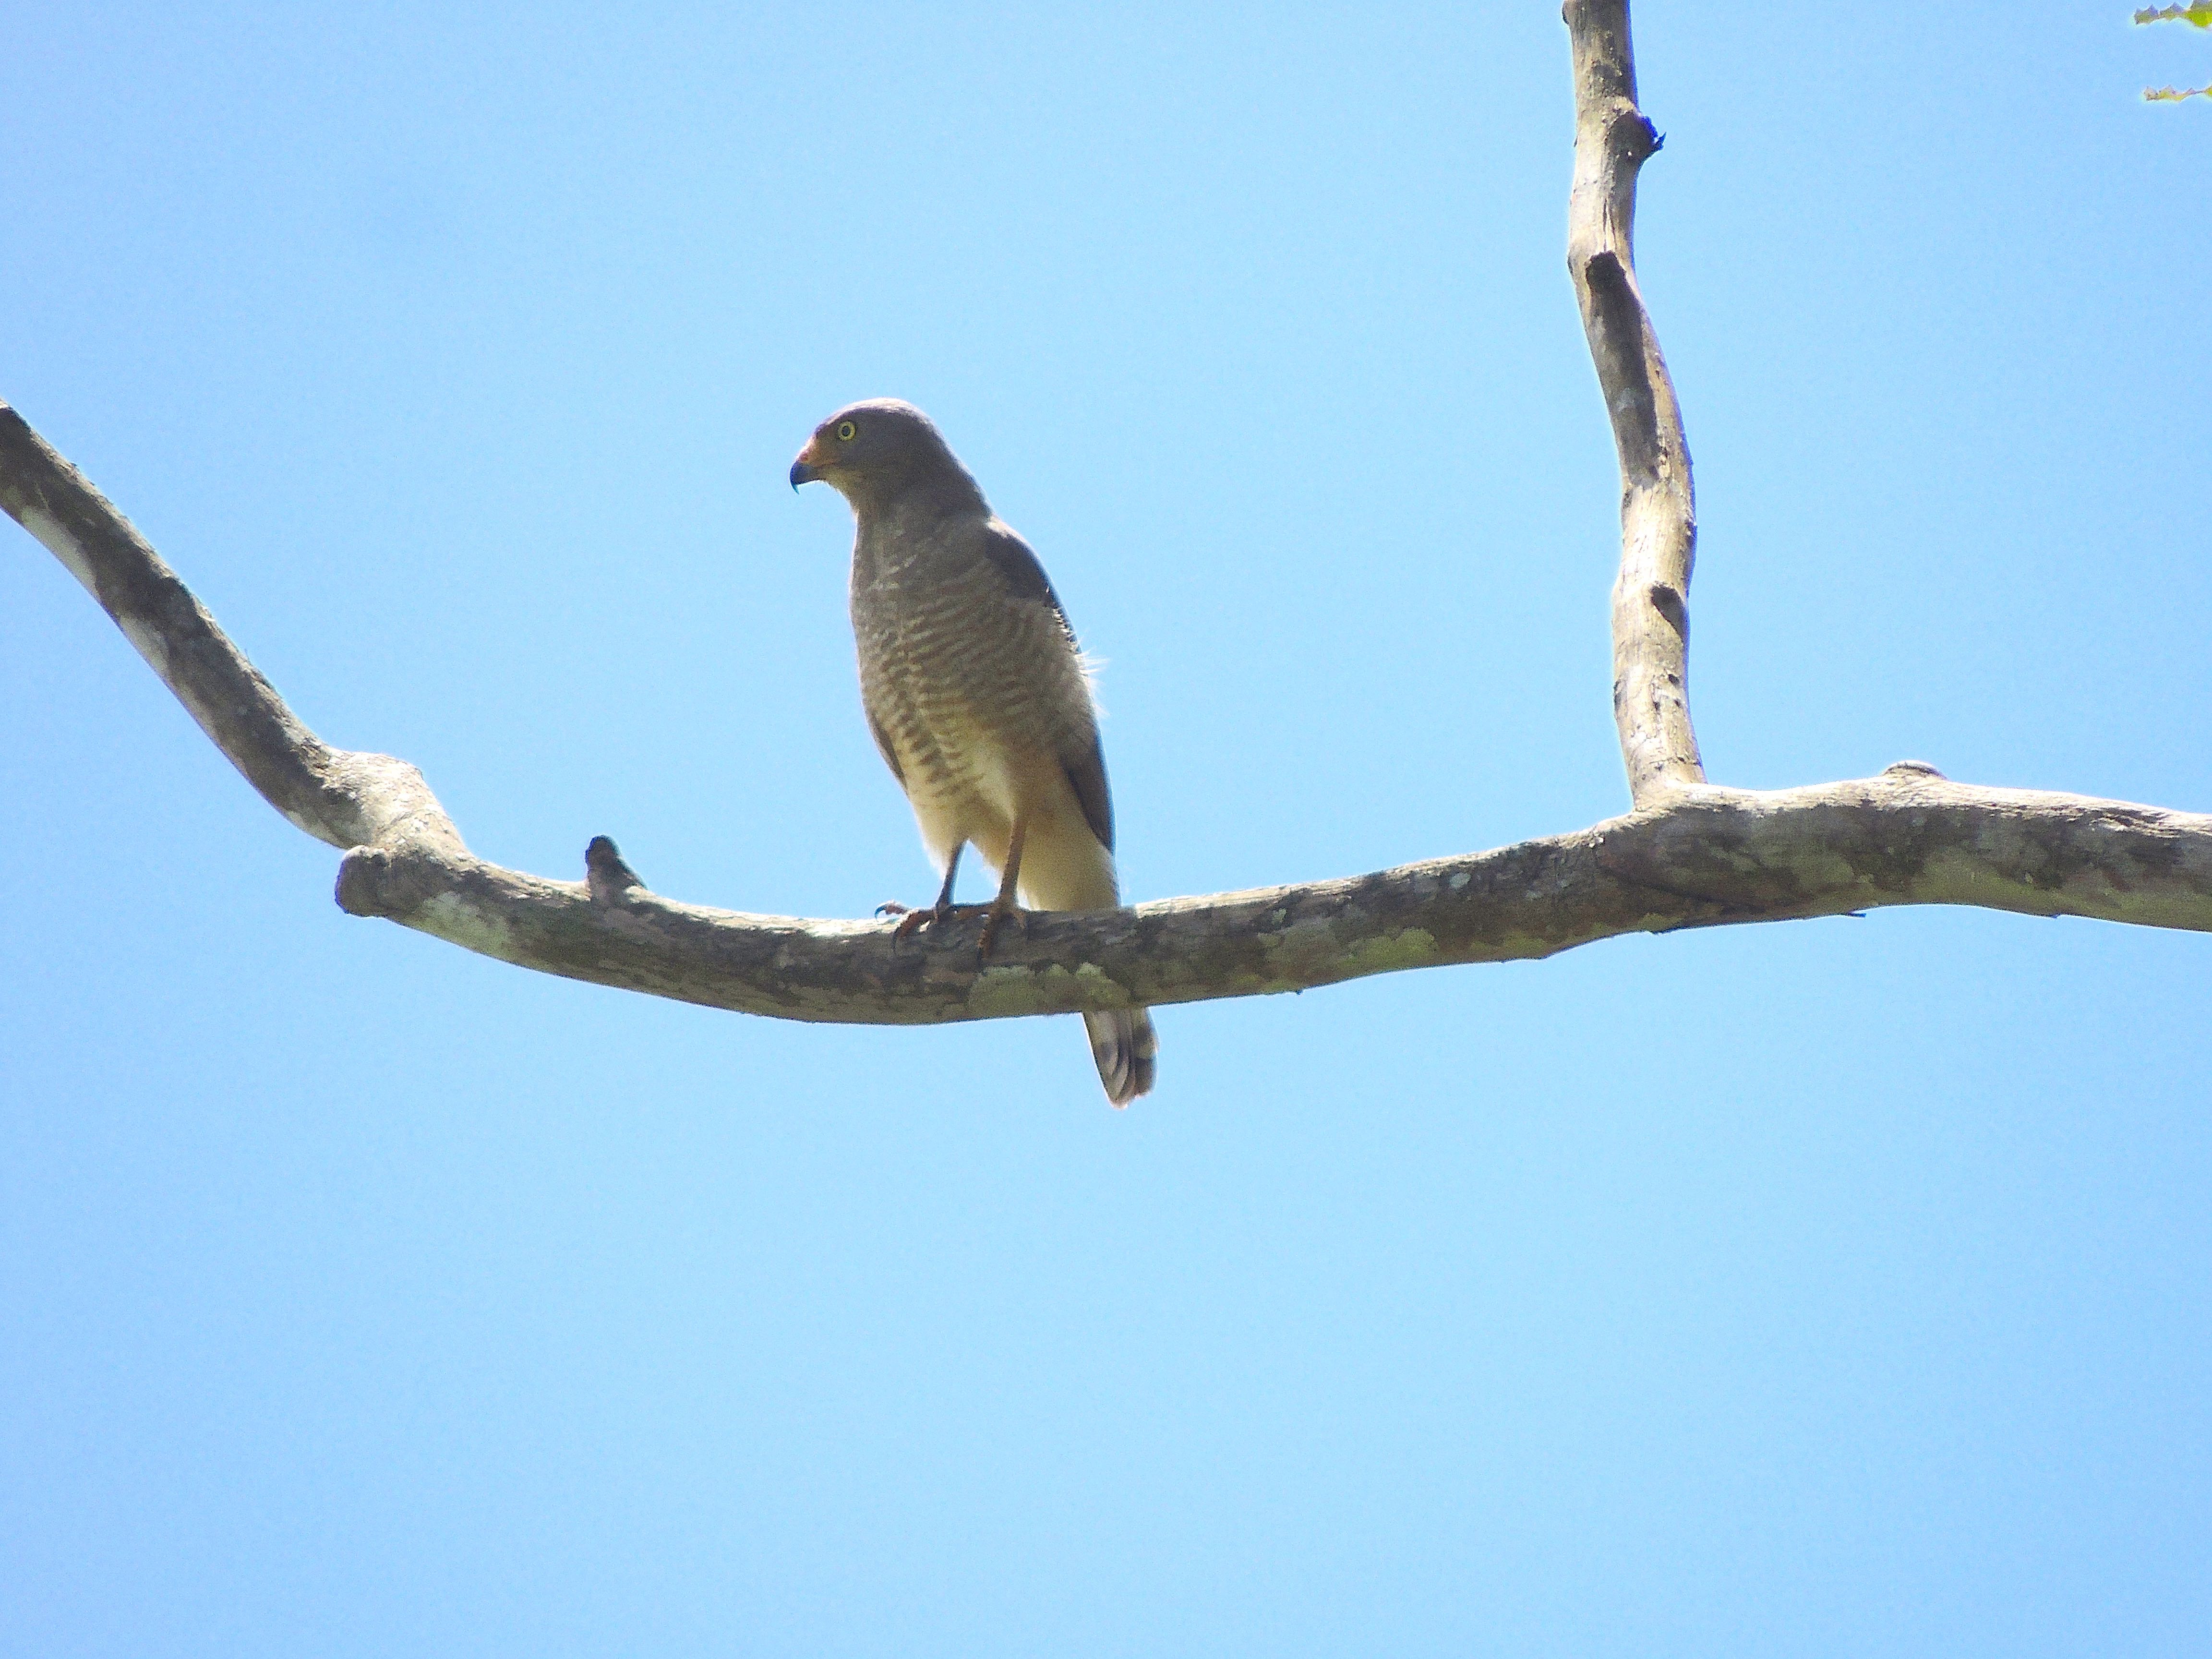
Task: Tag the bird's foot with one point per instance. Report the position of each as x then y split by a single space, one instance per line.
995 913
912 920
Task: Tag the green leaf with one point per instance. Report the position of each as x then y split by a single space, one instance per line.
2198 12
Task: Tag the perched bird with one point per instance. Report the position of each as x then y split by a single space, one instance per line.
976 689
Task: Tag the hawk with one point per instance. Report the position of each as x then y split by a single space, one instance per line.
975 690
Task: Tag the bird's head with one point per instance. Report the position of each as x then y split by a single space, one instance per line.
874 451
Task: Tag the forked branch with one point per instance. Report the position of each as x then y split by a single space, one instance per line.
1690 854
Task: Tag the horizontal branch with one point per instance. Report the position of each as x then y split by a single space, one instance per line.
1705 858
1701 857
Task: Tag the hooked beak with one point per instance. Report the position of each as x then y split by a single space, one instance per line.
808 467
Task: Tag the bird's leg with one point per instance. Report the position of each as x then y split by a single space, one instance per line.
911 919
1004 906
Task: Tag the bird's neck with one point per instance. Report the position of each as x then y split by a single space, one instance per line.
917 500
908 533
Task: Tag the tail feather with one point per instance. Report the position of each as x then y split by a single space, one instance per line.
1122 1044
1065 866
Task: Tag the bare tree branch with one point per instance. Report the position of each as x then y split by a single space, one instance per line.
1658 504
347 799
1690 854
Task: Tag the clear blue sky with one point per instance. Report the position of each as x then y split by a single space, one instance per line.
1833 1288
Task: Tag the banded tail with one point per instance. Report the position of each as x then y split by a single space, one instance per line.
1122 1044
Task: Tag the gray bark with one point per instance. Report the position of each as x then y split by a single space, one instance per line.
1689 854
1658 504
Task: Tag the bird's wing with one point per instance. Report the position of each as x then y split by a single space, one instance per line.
1087 774
1018 568
1080 753
882 741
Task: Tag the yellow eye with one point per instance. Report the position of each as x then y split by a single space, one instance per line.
845 430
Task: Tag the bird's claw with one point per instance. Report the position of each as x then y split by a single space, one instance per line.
913 919
996 915
910 920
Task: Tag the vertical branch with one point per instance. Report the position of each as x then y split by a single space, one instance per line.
1658 507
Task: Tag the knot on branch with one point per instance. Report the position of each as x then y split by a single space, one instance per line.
1631 138
606 875
1615 327
375 881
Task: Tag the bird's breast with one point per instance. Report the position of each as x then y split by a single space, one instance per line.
937 678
